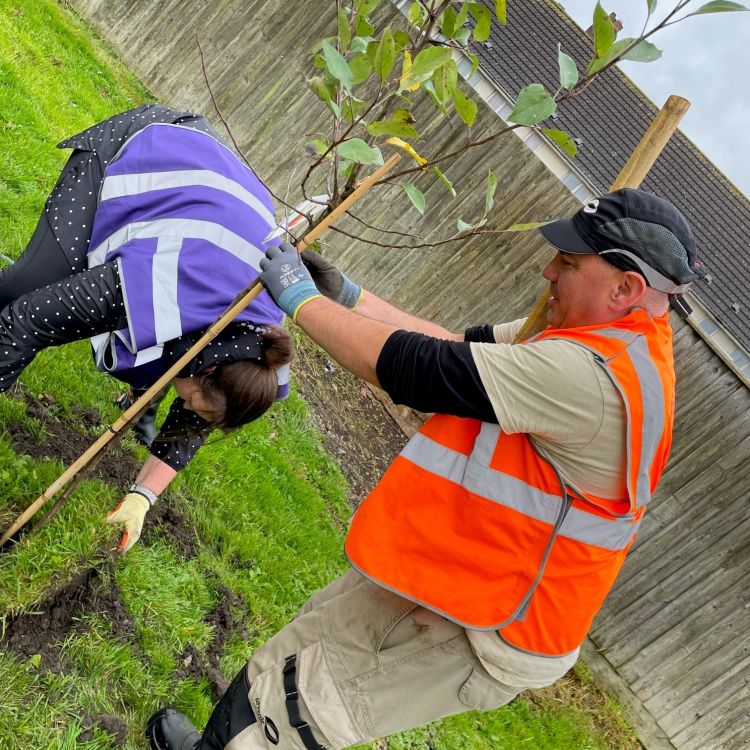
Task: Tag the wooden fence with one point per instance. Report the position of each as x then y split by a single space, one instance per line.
672 638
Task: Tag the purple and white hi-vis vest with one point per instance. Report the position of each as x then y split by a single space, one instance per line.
186 222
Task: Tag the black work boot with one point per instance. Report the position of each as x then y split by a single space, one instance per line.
168 729
144 430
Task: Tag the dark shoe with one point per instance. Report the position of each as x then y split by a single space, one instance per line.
168 729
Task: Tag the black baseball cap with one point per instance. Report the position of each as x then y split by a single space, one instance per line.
635 231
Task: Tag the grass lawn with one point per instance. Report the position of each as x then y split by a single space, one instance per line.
257 521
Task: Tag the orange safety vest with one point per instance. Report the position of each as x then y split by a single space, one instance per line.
474 524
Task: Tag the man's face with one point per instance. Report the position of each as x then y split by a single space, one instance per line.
582 289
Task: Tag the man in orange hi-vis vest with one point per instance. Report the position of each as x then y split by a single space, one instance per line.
481 557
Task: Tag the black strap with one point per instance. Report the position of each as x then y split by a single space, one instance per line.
292 705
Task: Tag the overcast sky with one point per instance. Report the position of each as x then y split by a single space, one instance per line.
706 60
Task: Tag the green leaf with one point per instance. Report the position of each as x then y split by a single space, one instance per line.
337 66
317 85
361 68
403 115
355 149
563 140
489 198
483 21
604 31
445 79
402 39
463 35
474 63
320 89
352 108
385 55
463 15
416 14
429 87
718 6
643 52
359 43
365 7
568 69
500 11
345 33
651 6
416 196
462 226
424 65
526 227
390 127
448 23
614 52
533 105
465 107
363 27
448 184
320 145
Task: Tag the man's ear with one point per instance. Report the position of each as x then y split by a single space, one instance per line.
631 288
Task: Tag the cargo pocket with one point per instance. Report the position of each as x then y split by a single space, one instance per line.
317 687
482 692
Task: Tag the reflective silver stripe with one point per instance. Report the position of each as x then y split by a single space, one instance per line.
283 374
476 476
435 458
167 322
182 228
118 186
652 396
502 488
597 531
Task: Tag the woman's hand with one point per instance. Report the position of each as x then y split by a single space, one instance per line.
130 512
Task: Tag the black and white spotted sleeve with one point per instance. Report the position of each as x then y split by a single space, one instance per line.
180 437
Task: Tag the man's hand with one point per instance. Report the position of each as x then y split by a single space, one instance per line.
331 282
130 512
286 279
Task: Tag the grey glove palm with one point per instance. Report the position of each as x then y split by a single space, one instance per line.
286 279
331 282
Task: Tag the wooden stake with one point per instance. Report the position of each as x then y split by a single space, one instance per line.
631 176
243 299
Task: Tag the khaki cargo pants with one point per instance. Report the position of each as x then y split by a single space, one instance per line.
358 663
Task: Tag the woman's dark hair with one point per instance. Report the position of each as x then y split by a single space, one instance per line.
245 390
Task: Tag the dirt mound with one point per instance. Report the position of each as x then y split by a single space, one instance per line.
226 622
175 526
39 633
63 438
114 725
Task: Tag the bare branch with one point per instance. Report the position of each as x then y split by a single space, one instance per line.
384 231
229 130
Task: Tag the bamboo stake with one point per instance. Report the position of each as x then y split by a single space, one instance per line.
631 176
243 299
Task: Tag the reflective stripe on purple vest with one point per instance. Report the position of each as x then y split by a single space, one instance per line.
186 222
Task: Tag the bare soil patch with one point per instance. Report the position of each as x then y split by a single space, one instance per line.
357 431
40 632
226 622
66 439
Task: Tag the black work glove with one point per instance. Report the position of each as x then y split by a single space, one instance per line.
331 282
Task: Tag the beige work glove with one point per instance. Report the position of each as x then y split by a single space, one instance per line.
130 512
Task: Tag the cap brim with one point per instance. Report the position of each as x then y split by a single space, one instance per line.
563 236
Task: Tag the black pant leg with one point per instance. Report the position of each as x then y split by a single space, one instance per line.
76 308
60 241
231 715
